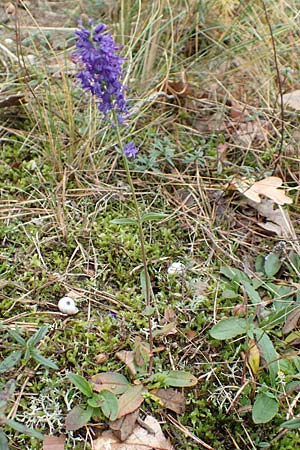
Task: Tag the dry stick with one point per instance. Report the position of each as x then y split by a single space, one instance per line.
279 87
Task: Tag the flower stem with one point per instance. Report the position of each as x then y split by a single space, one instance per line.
142 242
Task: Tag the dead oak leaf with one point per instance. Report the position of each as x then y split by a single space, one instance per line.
268 187
291 99
278 219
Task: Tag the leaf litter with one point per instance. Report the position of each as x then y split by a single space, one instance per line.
148 437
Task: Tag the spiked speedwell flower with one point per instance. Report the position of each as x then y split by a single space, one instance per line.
102 68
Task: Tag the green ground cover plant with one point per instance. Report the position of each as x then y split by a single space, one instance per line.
181 253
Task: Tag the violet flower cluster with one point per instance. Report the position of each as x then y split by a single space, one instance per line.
102 73
102 68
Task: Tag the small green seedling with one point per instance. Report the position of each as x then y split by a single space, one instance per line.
26 350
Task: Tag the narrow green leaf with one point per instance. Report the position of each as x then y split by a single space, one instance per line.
16 336
38 336
272 264
110 405
78 417
81 383
23 429
264 408
179 378
124 221
268 352
153 216
292 424
10 361
146 286
229 328
36 354
252 293
3 441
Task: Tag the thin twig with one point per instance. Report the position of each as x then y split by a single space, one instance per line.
279 87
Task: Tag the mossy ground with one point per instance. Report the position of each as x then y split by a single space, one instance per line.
192 69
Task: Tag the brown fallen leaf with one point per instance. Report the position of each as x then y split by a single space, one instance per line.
131 400
268 187
291 321
278 219
127 357
140 439
54 442
123 427
171 399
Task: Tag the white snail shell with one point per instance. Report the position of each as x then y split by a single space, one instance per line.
176 268
67 305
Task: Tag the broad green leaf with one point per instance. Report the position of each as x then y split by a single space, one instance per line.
124 221
229 328
17 337
130 400
272 264
264 408
95 401
23 429
112 381
38 336
228 293
292 424
148 311
78 417
10 361
234 274
38 357
3 441
153 216
268 352
81 383
110 405
252 293
179 378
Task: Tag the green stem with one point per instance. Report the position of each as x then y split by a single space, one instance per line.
142 240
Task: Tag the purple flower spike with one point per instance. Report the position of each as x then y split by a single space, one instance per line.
130 150
102 71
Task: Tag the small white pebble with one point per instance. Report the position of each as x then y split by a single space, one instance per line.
31 59
176 268
8 41
67 305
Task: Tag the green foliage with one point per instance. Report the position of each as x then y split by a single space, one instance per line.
27 351
264 328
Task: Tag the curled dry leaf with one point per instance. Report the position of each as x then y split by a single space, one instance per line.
268 187
171 399
149 437
278 219
123 427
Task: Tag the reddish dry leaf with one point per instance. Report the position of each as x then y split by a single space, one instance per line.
291 321
54 442
127 357
101 358
123 427
140 439
131 400
171 399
